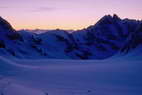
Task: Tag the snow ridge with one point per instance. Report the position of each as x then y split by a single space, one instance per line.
109 36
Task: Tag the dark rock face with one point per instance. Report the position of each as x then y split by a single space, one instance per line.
2 45
7 30
134 40
5 26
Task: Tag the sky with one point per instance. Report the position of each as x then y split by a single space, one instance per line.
65 14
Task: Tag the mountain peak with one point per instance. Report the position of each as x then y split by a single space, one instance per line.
115 16
108 19
5 26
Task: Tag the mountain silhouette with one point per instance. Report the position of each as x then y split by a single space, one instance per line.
108 37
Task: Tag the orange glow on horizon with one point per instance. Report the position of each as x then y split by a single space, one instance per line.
70 25
65 14
19 27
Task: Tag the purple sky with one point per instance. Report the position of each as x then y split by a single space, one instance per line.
65 14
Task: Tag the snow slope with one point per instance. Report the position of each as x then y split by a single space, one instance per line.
7 87
75 77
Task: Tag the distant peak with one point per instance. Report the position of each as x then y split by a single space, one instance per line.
115 16
109 19
107 16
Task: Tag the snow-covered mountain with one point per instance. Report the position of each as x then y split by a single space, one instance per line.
24 71
109 36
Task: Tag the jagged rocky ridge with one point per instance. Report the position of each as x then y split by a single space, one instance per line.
109 36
